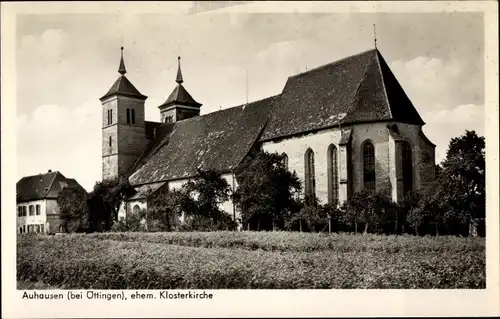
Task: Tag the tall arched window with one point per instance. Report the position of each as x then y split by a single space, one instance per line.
310 179
333 176
285 160
407 166
369 166
128 116
133 116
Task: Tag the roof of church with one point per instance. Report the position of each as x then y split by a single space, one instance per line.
122 86
218 140
43 186
180 96
356 89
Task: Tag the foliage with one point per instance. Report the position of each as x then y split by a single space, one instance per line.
131 223
267 192
375 210
73 210
105 200
461 184
135 261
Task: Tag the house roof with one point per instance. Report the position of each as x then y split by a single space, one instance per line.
359 88
43 186
180 96
124 87
218 140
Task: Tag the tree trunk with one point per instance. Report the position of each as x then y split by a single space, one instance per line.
355 227
258 226
300 225
416 231
329 224
437 229
366 229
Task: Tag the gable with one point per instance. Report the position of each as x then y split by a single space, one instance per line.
43 186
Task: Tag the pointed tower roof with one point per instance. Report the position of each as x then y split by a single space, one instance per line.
122 85
180 95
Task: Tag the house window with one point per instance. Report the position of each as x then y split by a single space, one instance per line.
19 211
310 180
136 209
25 211
32 210
285 160
41 228
333 177
38 209
37 228
30 228
128 116
407 166
20 230
133 116
24 228
369 166
110 141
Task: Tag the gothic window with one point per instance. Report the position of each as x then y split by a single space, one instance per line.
407 166
285 160
136 209
310 180
369 166
128 116
333 177
110 141
133 116
32 210
169 119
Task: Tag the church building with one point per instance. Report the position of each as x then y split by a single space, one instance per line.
344 126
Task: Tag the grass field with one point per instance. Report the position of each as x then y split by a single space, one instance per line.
250 260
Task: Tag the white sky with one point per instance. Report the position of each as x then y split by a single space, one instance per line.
64 63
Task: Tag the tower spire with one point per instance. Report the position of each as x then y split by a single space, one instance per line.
122 69
179 73
375 35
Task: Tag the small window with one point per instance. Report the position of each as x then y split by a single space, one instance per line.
136 209
41 228
38 209
128 116
37 228
110 117
32 210
285 160
30 228
24 228
110 141
25 211
133 116
20 230
19 211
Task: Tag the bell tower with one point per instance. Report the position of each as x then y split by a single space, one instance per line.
123 128
179 105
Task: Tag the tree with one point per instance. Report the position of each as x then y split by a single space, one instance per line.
72 202
166 207
267 192
104 202
462 181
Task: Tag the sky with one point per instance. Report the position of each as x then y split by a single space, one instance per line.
65 62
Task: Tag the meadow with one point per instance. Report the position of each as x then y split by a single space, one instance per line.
250 260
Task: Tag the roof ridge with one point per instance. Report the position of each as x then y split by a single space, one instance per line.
383 82
331 63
